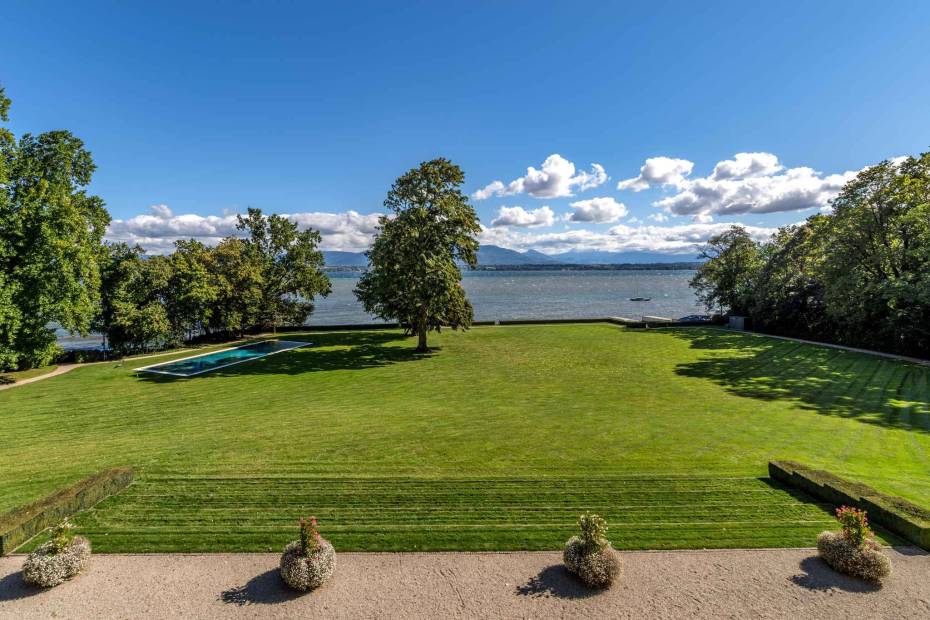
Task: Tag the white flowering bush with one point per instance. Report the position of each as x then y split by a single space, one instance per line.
61 558
867 562
309 562
853 551
590 556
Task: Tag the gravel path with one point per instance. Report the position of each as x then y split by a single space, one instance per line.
772 583
63 368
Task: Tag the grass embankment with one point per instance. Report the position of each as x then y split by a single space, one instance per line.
258 514
497 440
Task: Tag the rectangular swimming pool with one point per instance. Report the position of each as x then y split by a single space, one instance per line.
205 362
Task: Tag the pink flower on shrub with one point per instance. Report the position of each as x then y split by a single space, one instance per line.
855 524
309 537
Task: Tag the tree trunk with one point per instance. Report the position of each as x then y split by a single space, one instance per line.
421 332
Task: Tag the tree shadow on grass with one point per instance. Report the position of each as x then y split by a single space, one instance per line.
13 587
827 381
818 576
555 581
264 589
327 351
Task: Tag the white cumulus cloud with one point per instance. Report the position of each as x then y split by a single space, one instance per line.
658 171
556 178
494 188
518 216
348 231
678 239
157 230
597 210
747 183
795 189
746 165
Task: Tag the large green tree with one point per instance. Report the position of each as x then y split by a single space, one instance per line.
858 275
238 279
290 265
877 278
193 288
725 280
133 311
788 291
9 313
51 233
413 274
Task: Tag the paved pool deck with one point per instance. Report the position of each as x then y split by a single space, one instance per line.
770 583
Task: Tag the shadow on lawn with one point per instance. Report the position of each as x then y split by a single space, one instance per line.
555 581
264 589
328 351
827 381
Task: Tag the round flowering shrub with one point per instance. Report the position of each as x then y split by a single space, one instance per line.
61 558
590 556
309 562
853 551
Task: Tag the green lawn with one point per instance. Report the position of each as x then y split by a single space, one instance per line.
20 375
498 439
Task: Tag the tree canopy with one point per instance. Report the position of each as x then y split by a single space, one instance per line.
724 280
264 281
51 242
133 313
859 274
290 265
413 274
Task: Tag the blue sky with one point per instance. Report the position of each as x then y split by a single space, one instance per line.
201 111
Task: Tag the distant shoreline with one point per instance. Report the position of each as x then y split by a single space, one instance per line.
683 266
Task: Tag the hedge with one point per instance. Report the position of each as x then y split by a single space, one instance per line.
85 356
895 514
21 524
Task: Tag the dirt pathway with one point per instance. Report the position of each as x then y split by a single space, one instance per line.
63 368
60 370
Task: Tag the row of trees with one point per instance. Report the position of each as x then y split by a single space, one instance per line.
265 280
270 276
859 275
56 269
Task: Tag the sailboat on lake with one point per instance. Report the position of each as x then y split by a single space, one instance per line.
637 298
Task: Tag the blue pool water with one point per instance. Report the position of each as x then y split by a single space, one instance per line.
200 364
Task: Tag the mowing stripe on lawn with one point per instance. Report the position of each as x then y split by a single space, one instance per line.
183 513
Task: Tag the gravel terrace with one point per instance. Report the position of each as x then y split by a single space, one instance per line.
769 583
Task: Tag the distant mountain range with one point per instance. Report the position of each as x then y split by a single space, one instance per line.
598 257
496 255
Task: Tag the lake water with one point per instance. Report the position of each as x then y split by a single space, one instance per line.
502 295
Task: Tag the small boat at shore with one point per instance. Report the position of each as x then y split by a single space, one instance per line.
640 298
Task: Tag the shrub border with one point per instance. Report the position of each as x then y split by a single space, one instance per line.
897 515
21 524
